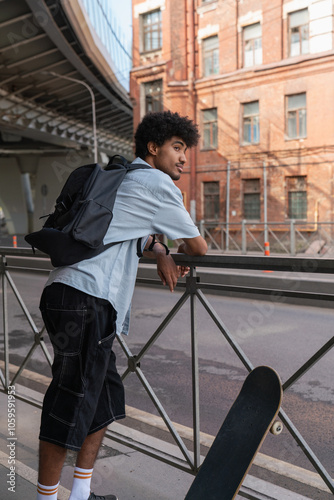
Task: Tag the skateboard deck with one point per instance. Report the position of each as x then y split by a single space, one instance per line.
239 438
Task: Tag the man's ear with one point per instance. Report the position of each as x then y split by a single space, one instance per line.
152 148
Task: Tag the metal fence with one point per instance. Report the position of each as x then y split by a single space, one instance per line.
291 238
193 291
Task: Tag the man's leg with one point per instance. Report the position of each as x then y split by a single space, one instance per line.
84 465
89 450
51 461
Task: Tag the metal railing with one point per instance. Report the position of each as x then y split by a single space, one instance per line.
193 292
291 238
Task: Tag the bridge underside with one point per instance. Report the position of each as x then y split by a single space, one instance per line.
43 112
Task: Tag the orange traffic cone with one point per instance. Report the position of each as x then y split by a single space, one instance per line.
14 242
266 248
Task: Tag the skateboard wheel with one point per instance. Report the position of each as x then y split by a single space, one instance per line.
276 428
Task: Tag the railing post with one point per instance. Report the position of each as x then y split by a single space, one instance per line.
3 263
201 227
243 238
191 287
292 238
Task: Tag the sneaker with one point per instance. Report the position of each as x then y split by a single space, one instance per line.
92 496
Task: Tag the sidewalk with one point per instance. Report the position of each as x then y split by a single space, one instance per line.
119 470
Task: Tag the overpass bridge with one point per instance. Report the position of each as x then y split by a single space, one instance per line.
63 100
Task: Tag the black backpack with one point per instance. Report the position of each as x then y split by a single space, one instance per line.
83 212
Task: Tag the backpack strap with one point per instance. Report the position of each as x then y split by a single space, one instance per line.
139 252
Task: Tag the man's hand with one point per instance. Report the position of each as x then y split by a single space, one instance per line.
168 271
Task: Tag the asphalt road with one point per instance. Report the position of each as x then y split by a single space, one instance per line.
276 334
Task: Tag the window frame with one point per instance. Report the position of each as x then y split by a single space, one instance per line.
212 126
150 29
210 55
254 122
247 192
299 116
213 199
153 94
300 34
289 191
252 40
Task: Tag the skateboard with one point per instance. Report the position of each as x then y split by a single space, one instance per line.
240 437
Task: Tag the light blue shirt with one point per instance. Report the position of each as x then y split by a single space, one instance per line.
147 202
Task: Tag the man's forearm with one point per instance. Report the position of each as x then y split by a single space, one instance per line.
193 246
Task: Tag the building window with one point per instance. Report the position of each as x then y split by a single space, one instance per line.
299 32
296 116
251 198
210 128
296 197
252 40
251 123
210 47
151 31
153 96
211 200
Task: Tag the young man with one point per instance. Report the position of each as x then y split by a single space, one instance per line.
86 304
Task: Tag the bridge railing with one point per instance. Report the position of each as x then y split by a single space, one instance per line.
291 238
194 294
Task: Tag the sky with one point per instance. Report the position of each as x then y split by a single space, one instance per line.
122 9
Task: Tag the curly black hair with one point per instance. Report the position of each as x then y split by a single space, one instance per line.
161 126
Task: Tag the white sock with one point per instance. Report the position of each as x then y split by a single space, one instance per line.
47 492
81 484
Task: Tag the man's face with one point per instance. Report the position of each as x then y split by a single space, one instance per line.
170 157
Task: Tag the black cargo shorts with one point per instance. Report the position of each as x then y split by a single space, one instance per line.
86 393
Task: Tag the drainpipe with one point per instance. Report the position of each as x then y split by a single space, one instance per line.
228 206
191 78
265 203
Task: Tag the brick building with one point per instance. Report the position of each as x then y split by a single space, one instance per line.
258 78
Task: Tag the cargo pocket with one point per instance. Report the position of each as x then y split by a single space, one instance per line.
70 390
66 326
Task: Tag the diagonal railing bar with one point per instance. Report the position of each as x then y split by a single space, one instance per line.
214 316
164 416
134 367
148 450
5 377
38 339
306 366
254 239
291 428
153 338
209 235
21 303
191 284
278 240
163 325
194 291
302 237
307 450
